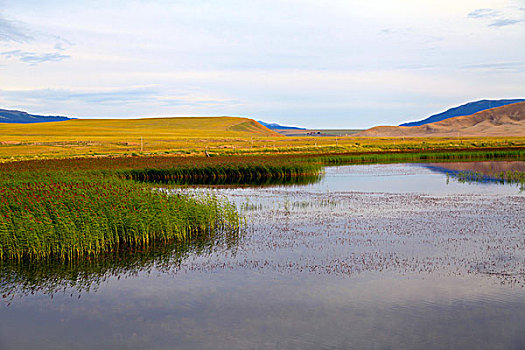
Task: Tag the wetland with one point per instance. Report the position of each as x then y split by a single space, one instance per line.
376 256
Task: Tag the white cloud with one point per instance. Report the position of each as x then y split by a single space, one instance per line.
12 31
33 57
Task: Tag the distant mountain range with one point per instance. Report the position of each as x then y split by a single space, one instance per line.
508 120
10 116
466 109
275 126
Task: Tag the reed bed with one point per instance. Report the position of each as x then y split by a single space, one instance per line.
228 173
64 218
514 154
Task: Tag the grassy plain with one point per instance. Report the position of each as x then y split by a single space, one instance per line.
195 136
111 136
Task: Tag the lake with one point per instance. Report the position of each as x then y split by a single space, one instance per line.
385 256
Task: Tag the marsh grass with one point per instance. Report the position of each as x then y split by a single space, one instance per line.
63 217
226 174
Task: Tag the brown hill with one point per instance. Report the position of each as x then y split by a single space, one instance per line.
507 120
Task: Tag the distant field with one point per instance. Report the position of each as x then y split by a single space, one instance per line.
318 132
83 136
195 136
110 129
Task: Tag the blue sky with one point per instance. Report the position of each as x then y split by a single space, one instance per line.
313 63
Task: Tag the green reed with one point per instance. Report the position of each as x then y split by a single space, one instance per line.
61 216
224 173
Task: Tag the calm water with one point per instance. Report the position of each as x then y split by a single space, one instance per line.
371 257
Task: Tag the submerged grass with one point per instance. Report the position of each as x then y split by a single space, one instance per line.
66 217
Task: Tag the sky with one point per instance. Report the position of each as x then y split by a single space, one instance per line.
312 63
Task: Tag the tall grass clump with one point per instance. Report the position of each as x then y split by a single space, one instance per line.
66 217
228 173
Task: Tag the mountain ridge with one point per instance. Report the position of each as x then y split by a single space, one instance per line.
21 117
465 109
508 120
275 126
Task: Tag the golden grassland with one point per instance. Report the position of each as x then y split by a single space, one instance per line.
195 136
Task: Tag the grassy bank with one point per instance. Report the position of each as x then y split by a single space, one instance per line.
239 169
65 217
114 164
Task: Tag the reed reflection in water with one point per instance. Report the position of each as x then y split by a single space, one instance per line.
19 279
